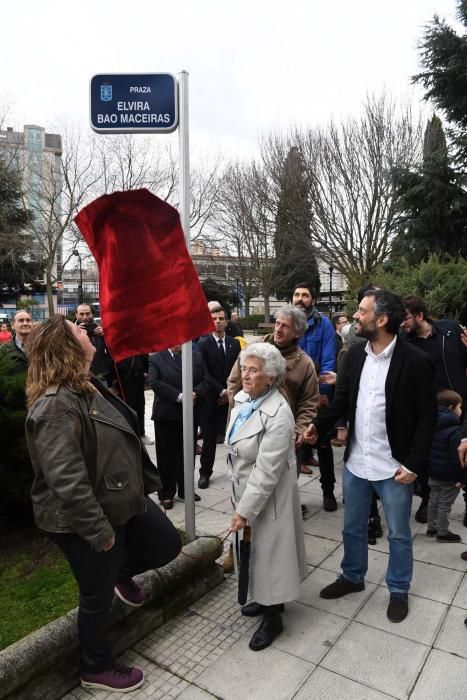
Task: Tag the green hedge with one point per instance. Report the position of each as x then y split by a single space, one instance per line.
15 468
250 323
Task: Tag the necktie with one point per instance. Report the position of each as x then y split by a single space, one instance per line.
178 359
221 348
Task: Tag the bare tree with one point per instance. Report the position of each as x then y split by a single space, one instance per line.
130 162
350 169
246 217
53 191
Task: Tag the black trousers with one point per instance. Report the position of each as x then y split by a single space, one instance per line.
147 541
326 462
213 423
169 453
133 390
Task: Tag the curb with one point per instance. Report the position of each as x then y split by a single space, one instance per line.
45 664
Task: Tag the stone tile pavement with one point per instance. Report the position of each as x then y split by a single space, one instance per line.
344 649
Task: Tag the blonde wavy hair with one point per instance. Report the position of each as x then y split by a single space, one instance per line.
55 357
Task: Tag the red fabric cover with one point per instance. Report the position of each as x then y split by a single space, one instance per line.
149 290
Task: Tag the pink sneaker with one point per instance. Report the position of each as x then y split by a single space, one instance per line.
130 593
120 679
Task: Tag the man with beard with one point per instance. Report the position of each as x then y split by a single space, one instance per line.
319 343
387 389
442 341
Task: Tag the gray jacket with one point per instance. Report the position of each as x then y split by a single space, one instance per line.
87 464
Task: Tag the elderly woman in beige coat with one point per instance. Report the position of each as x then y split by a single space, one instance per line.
262 468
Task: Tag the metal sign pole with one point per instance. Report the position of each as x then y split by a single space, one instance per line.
187 364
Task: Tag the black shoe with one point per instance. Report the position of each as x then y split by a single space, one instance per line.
448 537
329 502
197 498
340 588
421 514
431 532
203 482
304 510
255 609
398 607
270 627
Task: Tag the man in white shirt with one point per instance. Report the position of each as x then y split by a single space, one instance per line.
387 389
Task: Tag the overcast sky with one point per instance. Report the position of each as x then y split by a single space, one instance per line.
254 65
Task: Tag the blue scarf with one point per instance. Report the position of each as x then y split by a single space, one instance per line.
246 411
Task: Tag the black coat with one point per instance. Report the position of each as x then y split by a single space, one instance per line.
444 462
218 369
410 403
18 357
448 354
165 379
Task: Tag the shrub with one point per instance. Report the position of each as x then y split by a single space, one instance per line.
15 468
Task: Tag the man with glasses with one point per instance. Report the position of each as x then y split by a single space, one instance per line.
442 341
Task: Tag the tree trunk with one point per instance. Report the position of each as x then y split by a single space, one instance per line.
246 306
50 296
267 309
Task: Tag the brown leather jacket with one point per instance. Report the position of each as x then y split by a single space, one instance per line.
300 385
87 465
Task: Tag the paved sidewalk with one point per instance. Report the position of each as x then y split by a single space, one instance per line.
345 649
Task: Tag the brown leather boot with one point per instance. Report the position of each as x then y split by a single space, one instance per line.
228 563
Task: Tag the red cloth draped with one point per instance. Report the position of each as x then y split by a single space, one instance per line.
150 294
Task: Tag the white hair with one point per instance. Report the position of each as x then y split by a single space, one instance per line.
274 365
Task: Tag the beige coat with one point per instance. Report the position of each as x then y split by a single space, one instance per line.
262 467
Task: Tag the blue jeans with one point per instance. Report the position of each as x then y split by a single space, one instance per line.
397 501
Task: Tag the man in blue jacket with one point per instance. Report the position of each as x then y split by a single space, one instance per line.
319 343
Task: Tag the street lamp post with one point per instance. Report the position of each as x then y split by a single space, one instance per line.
331 270
236 281
80 286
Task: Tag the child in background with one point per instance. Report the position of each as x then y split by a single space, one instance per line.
446 475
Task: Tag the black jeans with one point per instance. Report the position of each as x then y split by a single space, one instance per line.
147 541
326 464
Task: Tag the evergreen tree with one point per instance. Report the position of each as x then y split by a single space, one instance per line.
15 269
295 258
443 55
431 204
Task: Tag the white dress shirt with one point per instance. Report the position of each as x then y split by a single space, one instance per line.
370 454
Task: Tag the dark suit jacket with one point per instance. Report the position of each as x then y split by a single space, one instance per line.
411 409
217 368
165 379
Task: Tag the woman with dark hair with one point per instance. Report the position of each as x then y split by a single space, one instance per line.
88 494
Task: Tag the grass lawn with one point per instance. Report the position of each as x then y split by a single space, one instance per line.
36 584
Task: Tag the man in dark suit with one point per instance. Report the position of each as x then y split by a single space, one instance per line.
165 379
219 352
387 389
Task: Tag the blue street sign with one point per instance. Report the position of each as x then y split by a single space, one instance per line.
144 103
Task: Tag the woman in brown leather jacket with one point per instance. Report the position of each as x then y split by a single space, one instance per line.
88 492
